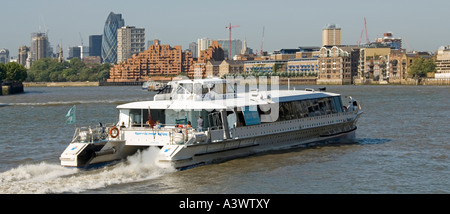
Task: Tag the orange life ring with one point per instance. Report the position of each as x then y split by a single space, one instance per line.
114 134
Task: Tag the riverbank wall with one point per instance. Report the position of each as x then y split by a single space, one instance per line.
61 84
281 81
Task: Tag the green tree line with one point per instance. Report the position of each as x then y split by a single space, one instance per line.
12 71
50 70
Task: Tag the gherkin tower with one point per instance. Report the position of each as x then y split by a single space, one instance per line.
109 38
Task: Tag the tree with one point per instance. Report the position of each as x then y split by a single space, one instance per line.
2 71
15 72
421 67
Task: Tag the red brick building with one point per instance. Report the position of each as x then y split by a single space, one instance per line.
214 53
157 60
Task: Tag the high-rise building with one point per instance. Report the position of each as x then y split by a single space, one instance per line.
22 55
331 35
95 45
203 44
130 40
236 45
74 52
109 38
193 47
39 46
4 56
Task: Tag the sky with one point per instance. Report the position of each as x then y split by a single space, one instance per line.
287 23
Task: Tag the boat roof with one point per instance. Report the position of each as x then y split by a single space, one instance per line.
241 100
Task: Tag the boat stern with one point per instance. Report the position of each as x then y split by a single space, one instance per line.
70 156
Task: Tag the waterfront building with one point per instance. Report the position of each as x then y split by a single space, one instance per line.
443 63
212 68
373 63
231 67
109 37
4 56
156 60
335 66
40 46
303 67
22 55
130 40
331 35
95 45
263 67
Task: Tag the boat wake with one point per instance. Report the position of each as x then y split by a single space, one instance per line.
52 178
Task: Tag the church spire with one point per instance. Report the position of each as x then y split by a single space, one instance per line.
244 49
60 57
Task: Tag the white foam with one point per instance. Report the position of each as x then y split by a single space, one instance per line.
52 178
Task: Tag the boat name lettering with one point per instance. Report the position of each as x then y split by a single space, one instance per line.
151 133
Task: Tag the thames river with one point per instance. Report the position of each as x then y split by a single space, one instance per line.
403 147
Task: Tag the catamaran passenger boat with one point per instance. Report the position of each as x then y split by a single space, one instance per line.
233 124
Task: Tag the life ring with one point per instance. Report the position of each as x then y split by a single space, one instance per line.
114 132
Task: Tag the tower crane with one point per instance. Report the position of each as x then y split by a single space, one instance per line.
364 30
262 42
229 43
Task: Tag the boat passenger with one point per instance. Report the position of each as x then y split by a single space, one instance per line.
189 124
200 124
158 124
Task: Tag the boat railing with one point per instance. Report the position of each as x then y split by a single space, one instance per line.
91 134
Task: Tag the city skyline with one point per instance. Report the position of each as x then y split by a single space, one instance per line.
288 24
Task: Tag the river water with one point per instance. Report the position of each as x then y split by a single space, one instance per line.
403 147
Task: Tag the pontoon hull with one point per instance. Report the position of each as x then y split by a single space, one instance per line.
182 157
91 155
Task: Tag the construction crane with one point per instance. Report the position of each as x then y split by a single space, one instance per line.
407 45
81 39
364 30
365 27
262 42
229 43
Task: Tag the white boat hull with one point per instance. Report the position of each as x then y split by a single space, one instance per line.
181 157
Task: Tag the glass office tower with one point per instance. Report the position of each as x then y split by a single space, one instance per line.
109 38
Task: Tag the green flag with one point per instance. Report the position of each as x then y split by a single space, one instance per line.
70 116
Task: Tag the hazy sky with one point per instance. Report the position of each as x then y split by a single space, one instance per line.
288 23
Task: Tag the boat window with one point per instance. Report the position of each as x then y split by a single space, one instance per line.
231 118
338 104
184 88
230 88
308 108
251 116
220 88
215 121
136 117
155 115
